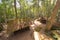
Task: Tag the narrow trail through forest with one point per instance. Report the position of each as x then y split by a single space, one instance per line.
24 34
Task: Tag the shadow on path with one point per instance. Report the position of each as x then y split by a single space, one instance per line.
24 34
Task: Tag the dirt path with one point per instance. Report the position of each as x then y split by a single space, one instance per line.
20 35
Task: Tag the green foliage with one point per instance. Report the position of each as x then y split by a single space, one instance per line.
28 9
38 29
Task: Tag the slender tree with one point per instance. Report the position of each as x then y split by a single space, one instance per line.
15 8
53 15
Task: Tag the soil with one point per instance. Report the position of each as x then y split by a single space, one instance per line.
20 35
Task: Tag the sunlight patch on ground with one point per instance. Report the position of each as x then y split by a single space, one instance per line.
36 35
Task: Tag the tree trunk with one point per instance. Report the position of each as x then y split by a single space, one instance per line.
15 8
53 16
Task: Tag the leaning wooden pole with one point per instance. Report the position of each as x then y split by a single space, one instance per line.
53 16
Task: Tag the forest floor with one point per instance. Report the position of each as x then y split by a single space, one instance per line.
25 34
20 35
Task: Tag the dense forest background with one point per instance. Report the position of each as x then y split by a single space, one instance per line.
26 9
16 14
